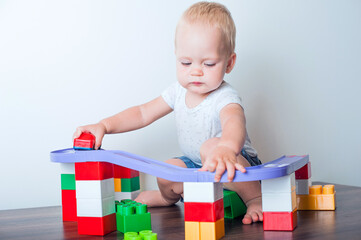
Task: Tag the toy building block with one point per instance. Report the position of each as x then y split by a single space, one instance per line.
123 172
280 221
279 202
68 202
67 168
93 170
95 207
202 191
117 184
283 184
95 188
204 230
67 181
304 172
203 212
130 184
132 217
192 230
319 198
126 195
212 230
302 186
233 205
96 225
143 235
85 141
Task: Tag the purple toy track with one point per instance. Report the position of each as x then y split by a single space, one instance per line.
280 167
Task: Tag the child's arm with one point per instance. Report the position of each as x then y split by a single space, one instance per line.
224 155
130 119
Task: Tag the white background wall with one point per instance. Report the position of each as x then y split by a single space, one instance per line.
69 63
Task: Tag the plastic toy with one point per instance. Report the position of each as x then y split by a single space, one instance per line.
281 221
85 141
204 217
143 235
89 168
132 216
319 198
233 205
278 168
68 194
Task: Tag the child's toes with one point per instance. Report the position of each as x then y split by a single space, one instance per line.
247 219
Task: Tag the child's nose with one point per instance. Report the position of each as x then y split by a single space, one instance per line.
197 71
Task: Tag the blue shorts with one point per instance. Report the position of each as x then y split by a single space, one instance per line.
253 161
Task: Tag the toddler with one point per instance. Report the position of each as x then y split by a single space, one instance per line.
210 120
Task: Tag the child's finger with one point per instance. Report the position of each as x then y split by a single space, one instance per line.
240 167
77 133
219 171
230 171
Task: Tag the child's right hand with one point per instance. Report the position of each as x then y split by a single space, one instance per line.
98 130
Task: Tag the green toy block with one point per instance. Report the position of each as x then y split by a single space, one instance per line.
132 216
130 184
143 235
67 181
233 205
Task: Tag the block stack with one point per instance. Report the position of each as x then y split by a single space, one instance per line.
126 183
95 198
68 199
279 203
203 210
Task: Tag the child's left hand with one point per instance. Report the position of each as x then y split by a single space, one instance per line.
221 159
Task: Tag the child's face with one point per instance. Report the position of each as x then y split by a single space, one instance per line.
201 56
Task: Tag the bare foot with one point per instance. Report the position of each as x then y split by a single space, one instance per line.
254 211
153 198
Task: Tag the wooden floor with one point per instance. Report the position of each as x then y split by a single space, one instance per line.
46 223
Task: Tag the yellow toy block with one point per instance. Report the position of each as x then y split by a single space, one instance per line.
192 230
117 185
212 230
319 198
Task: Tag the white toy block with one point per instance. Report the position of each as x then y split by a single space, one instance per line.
202 191
302 186
279 202
95 207
95 188
67 168
126 195
278 185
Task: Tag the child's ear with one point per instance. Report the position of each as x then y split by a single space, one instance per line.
230 63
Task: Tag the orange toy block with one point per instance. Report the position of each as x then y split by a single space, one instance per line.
319 198
192 230
117 185
204 230
212 230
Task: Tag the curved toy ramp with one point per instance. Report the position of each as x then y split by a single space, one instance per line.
280 167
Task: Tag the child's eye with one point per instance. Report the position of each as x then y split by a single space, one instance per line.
210 64
186 63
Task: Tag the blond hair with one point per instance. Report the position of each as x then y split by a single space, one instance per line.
215 15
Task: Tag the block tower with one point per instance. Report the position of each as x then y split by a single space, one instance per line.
126 183
313 197
68 198
95 198
203 210
279 203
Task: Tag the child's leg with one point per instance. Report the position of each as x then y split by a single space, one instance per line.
169 192
250 192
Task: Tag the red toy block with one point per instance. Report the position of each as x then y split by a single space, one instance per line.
304 172
93 170
97 225
280 221
123 172
68 202
203 212
84 141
